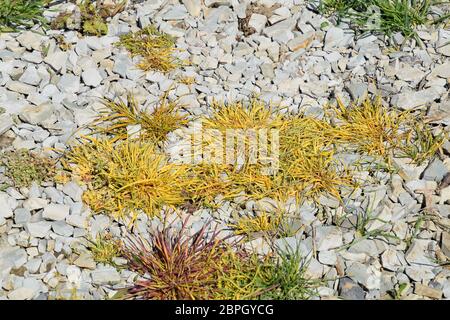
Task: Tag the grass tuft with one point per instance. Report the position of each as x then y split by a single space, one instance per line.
126 178
392 16
280 276
120 116
104 249
156 49
18 14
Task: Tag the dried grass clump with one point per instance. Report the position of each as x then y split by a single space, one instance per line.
119 117
126 178
263 222
178 265
156 49
373 129
23 167
307 159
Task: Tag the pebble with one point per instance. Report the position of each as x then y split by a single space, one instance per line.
91 77
39 229
56 212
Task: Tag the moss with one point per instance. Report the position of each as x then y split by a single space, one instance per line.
24 167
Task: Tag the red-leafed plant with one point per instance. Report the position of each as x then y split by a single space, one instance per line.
176 264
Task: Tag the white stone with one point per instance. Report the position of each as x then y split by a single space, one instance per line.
39 229
5 206
36 114
257 21
91 77
56 212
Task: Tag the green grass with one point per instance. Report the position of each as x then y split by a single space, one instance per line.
18 14
394 15
281 276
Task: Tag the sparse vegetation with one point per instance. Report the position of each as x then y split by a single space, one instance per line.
104 248
17 14
23 167
382 16
276 277
93 17
155 48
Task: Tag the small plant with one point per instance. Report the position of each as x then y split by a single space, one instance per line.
104 248
154 126
382 16
16 14
156 49
23 167
264 222
178 265
420 144
92 17
275 277
127 177
370 127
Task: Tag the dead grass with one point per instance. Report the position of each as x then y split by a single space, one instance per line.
126 178
119 117
156 49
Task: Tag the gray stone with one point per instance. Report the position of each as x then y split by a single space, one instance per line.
357 90
22 294
30 40
336 38
91 77
411 100
76 221
328 257
11 258
328 237
420 272
6 210
69 83
350 290
20 87
39 229
435 171
63 229
409 73
30 76
418 253
194 7
365 246
6 123
105 275
445 243
86 261
257 22
22 216
57 60
177 12
34 203
36 114
73 190
390 260
442 70
364 274
56 212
